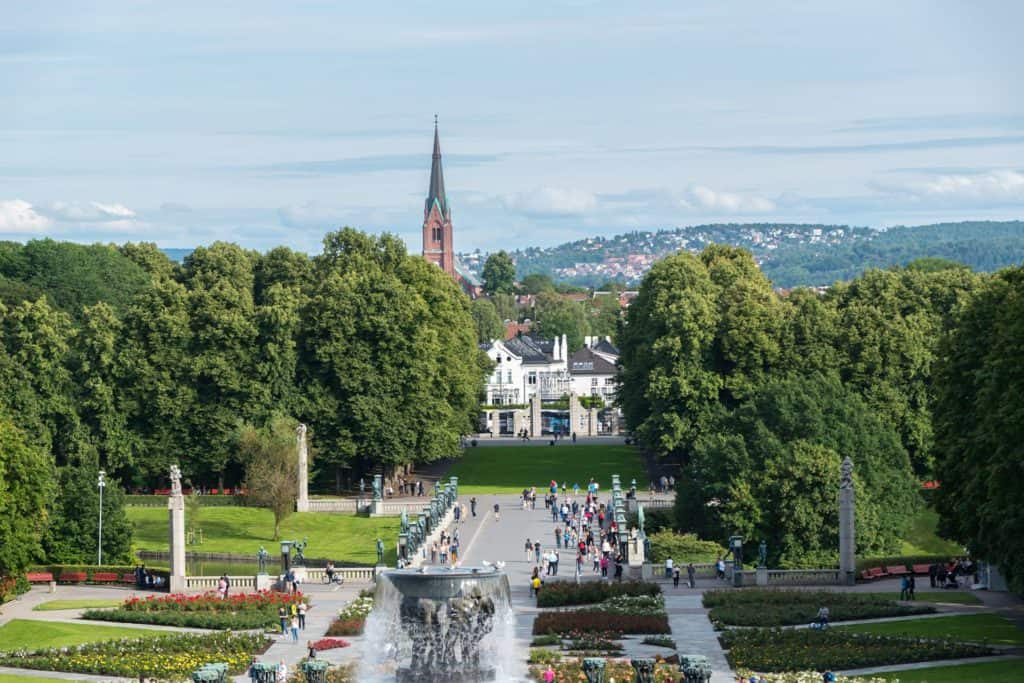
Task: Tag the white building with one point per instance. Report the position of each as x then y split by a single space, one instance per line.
524 366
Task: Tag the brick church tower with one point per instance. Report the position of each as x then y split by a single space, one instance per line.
437 217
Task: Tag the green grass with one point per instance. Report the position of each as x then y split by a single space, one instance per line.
990 628
342 538
987 672
75 604
950 596
15 678
34 635
510 469
922 538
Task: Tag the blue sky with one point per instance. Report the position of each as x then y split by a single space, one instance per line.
270 123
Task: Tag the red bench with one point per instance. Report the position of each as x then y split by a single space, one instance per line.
105 577
128 578
897 570
921 568
877 572
39 577
72 577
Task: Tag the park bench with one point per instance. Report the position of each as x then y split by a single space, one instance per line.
105 577
865 575
128 578
921 568
72 577
897 570
39 577
877 572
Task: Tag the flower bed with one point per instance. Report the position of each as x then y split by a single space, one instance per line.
238 612
803 677
615 669
352 618
635 604
660 641
594 620
776 650
592 643
165 657
769 607
330 644
567 593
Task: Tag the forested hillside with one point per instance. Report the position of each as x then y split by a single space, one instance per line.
789 254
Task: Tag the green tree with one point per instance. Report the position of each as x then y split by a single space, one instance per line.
485 318
506 307
499 274
270 457
26 483
978 416
557 315
537 283
73 532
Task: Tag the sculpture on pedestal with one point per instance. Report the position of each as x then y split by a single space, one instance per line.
762 554
261 559
378 487
175 480
593 669
644 670
380 551
300 557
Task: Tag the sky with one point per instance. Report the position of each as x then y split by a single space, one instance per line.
269 123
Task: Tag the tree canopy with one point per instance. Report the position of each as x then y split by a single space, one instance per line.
499 273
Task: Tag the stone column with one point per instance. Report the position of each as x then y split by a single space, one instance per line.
575 413
592 423
535 417
847 537
302 502
176 512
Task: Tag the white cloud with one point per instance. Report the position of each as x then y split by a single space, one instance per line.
87 212
994 185
551 201
18 217
706 199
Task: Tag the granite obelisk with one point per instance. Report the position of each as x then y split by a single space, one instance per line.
302 501
176 508
847 536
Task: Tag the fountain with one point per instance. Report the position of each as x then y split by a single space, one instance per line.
435 625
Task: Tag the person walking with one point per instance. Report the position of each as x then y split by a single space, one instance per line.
458 513
911 586
529 549
472 505
604 566
904 588
691 575
675 577
558 537
549 673
282 615
295 629
302 615
497 513
536 552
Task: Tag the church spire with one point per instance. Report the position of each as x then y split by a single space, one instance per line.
436 191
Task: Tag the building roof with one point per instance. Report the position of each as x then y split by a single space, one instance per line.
436 191
586 362
605 346
530 349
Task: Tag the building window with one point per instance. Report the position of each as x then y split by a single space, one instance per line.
531 378
436 234
510 377
593 381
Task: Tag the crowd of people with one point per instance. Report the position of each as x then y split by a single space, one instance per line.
948 575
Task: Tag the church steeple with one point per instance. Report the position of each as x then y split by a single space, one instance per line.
438 245
436 191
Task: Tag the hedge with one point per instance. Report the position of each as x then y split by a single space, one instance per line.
140 500
567 593
597 620
905 560
770 607
682 548
228 621
788 649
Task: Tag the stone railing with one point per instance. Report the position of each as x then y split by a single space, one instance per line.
421 555
803 577
193 583
316 574
387 507
334 505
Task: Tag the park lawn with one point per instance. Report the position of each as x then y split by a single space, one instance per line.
990 628
986 672
76 604
17 678
923 539
32 634
950 596
510 469
242 530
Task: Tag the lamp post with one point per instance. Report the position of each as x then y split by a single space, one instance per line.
102 483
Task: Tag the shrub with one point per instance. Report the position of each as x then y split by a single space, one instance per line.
238 611
592 620
568 593
683 548
541 641
615 669
777 650
770 607
330 644
635 604
352 618
899 560
538 656
592 644
235 621
660 641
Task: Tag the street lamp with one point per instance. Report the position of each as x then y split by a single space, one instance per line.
102 483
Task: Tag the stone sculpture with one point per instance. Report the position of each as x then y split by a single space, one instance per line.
175 480
261 558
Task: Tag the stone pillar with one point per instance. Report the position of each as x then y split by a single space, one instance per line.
176 512
535 417
575 413
847 536
377 504
518 420
302 501
762 576
495 419
593 422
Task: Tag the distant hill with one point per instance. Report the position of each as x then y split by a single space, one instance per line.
790 254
